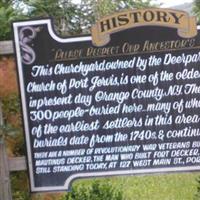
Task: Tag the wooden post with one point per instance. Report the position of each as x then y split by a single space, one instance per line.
7 164
6 47
5 187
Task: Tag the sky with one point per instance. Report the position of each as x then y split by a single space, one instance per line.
169 3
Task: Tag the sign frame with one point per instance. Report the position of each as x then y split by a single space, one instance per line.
48 22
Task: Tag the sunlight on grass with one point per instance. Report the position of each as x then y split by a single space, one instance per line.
154 187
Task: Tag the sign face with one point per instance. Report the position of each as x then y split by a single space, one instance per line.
129 107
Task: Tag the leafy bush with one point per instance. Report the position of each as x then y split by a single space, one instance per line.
197 195
98 190
8 14
20 189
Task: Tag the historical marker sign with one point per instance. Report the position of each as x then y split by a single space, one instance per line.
128 107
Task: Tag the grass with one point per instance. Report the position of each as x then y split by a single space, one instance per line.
154 187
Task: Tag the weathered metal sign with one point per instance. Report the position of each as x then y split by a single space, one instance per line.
129 107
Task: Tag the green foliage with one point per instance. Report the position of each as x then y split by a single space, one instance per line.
69 18
92 10
196 9
64 12
105 7
137 4
10 106
197 195
8 14
7 130
19 186
97 191
180 186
